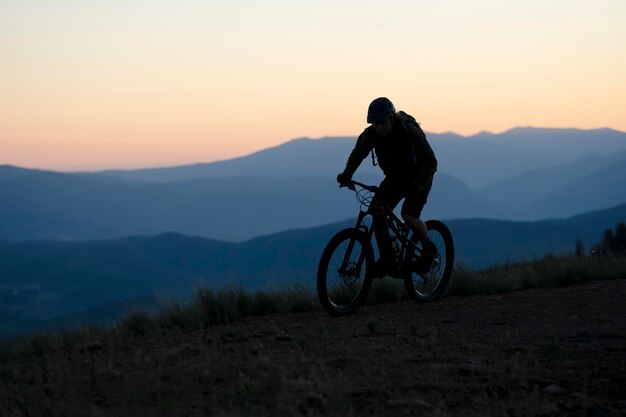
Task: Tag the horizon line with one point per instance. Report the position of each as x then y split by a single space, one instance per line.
166 165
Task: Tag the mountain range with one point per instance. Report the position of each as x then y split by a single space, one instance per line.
522 174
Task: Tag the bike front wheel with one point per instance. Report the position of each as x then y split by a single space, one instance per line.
344 274
431 284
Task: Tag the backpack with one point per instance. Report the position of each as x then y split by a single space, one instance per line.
405 119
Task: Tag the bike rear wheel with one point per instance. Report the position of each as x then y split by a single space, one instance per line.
344 274
430 285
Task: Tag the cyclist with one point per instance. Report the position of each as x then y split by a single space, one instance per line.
409 164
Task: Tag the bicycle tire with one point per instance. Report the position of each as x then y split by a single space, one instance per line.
339 293
432 284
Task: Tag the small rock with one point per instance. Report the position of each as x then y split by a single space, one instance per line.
549 409
92 347
475 361
206 377
47 389
409 403
313 403
314 399
182 352
109 374
96 411
99 400
554 389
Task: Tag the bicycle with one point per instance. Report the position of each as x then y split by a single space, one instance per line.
345 270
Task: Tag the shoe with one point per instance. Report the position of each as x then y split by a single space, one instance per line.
429 252
422 264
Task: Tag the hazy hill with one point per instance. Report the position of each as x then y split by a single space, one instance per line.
105 315
601 188
43 280
303 157
48 205
64 206
484 242
486 158
477 160
544 192
10 173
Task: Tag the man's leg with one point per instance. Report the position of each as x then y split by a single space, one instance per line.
417 226
388 195
411 212
383 240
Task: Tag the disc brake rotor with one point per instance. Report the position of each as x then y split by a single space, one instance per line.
349 276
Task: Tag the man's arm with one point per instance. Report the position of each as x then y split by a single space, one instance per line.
359 153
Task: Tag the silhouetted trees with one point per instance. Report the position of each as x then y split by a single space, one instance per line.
613 242
580 249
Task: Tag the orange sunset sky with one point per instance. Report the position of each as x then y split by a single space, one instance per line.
125 84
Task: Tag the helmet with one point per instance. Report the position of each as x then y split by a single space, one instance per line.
379 110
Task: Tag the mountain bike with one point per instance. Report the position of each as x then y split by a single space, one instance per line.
345 271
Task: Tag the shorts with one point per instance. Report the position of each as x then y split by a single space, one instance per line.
391 191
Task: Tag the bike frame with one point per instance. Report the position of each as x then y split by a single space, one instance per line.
399 230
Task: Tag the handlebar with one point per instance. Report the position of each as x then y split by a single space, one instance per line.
365 194
352 185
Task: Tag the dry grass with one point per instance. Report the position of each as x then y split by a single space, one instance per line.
210 307
550 272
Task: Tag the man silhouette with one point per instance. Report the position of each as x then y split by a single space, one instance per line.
409 164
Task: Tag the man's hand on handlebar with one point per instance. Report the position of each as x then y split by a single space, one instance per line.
345 180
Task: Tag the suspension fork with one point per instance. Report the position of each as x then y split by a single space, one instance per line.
359 226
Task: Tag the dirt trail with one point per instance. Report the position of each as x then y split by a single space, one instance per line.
534 352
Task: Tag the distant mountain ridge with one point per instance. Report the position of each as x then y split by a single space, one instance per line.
486 158
498 156
324 156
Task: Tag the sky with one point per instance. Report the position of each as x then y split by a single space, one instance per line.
88 85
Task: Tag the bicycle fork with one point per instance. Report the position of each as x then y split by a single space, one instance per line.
348 267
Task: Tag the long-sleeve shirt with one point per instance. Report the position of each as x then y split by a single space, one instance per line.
403 154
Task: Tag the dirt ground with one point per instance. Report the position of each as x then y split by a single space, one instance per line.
527 353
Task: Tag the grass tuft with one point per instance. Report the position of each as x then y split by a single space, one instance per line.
221 306
299 299
137 323
177 315
264 303
386 291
